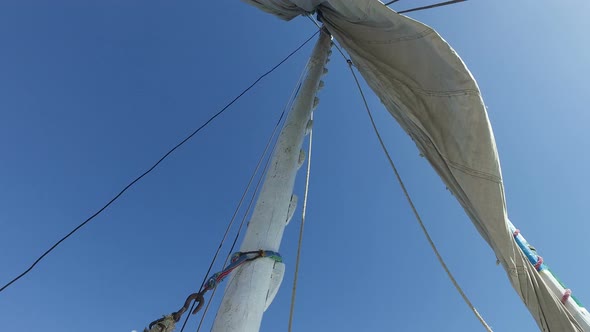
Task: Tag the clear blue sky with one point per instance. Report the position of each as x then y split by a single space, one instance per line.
92 93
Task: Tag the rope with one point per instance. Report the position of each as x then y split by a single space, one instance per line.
157 163
166 324
418 218
238 259
320 27
233 245
294 291
390 2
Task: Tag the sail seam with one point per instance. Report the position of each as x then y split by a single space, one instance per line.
428 92
377 72
420 135
471 171
413 37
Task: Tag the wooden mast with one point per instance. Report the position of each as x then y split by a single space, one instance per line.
252 286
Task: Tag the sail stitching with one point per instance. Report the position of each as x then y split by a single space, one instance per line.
407 84
428 92
418 133
471 171
418 35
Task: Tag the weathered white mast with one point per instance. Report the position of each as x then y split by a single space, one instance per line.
252 286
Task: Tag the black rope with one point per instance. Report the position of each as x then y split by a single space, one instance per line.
390 2
156 164
431 6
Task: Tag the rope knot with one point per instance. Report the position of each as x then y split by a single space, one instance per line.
237 259
235 256
539 265
566 295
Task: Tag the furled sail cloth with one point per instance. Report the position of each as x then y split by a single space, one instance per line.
430 92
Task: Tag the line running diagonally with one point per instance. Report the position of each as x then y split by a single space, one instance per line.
418 218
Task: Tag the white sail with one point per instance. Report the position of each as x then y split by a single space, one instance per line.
428 89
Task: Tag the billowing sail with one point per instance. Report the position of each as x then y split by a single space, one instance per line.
428 89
